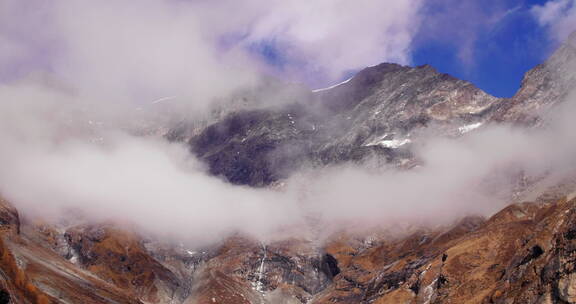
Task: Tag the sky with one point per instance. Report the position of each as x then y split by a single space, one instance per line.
490 43
507 41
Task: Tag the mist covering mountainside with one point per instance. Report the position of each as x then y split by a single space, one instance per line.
400 185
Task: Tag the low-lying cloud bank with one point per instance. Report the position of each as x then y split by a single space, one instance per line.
52 164
476 174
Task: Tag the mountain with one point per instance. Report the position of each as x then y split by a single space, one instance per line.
522 254
377 113
374 114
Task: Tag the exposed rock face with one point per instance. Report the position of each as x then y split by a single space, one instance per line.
9 219
290 270
520 255
118 257
523 254
377 113
542 87
32 273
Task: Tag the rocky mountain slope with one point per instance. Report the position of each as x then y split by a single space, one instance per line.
377 113
523 254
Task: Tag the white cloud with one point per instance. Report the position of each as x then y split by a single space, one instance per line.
149 49
74 74
559 16
51 163
339 35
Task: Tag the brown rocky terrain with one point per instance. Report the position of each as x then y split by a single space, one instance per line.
33 273
522 254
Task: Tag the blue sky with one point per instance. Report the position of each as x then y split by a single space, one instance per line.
490 43
502 52
204 49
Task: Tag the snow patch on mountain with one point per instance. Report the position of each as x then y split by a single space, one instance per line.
386 142
159 100
333 86
470 127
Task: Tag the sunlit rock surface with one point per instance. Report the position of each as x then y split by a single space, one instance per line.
378 114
